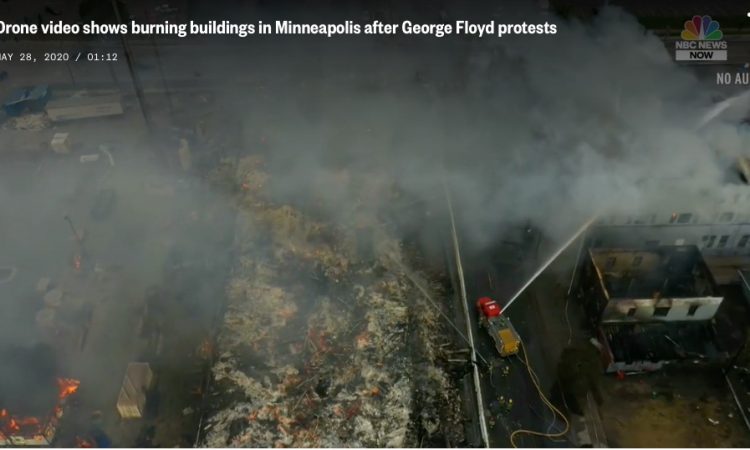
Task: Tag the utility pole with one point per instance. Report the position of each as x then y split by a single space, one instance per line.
159 150
136 80
483 429
73 229
161 74
70 71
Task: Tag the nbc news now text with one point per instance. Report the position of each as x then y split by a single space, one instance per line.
701 40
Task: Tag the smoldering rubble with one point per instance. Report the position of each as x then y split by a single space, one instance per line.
326 340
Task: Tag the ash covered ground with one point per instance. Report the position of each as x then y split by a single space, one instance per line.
327 340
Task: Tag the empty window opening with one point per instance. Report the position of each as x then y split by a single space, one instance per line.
723 241
692 310
637 261
743 241
661 312
631 311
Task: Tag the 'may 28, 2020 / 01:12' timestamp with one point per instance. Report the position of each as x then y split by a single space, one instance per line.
59 57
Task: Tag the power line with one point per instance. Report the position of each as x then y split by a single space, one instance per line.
464 301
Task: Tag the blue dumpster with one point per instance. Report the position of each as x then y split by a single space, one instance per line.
30 98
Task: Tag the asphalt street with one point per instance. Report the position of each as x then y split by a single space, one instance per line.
510 398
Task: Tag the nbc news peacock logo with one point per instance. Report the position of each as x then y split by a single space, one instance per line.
701 40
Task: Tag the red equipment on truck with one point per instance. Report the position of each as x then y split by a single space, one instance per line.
502 331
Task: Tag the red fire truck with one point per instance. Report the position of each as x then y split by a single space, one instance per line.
501 330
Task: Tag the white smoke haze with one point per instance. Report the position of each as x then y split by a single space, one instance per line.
596 119
608 119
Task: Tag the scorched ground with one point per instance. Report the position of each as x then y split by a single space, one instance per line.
325 341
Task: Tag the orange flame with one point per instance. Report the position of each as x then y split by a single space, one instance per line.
68 386
14 425
32 427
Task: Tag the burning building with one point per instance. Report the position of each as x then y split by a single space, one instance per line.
651 306
670 283
715 222
32 398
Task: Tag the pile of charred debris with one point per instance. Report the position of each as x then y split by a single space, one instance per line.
326 341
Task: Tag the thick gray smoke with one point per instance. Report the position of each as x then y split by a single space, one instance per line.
553 129
596 119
